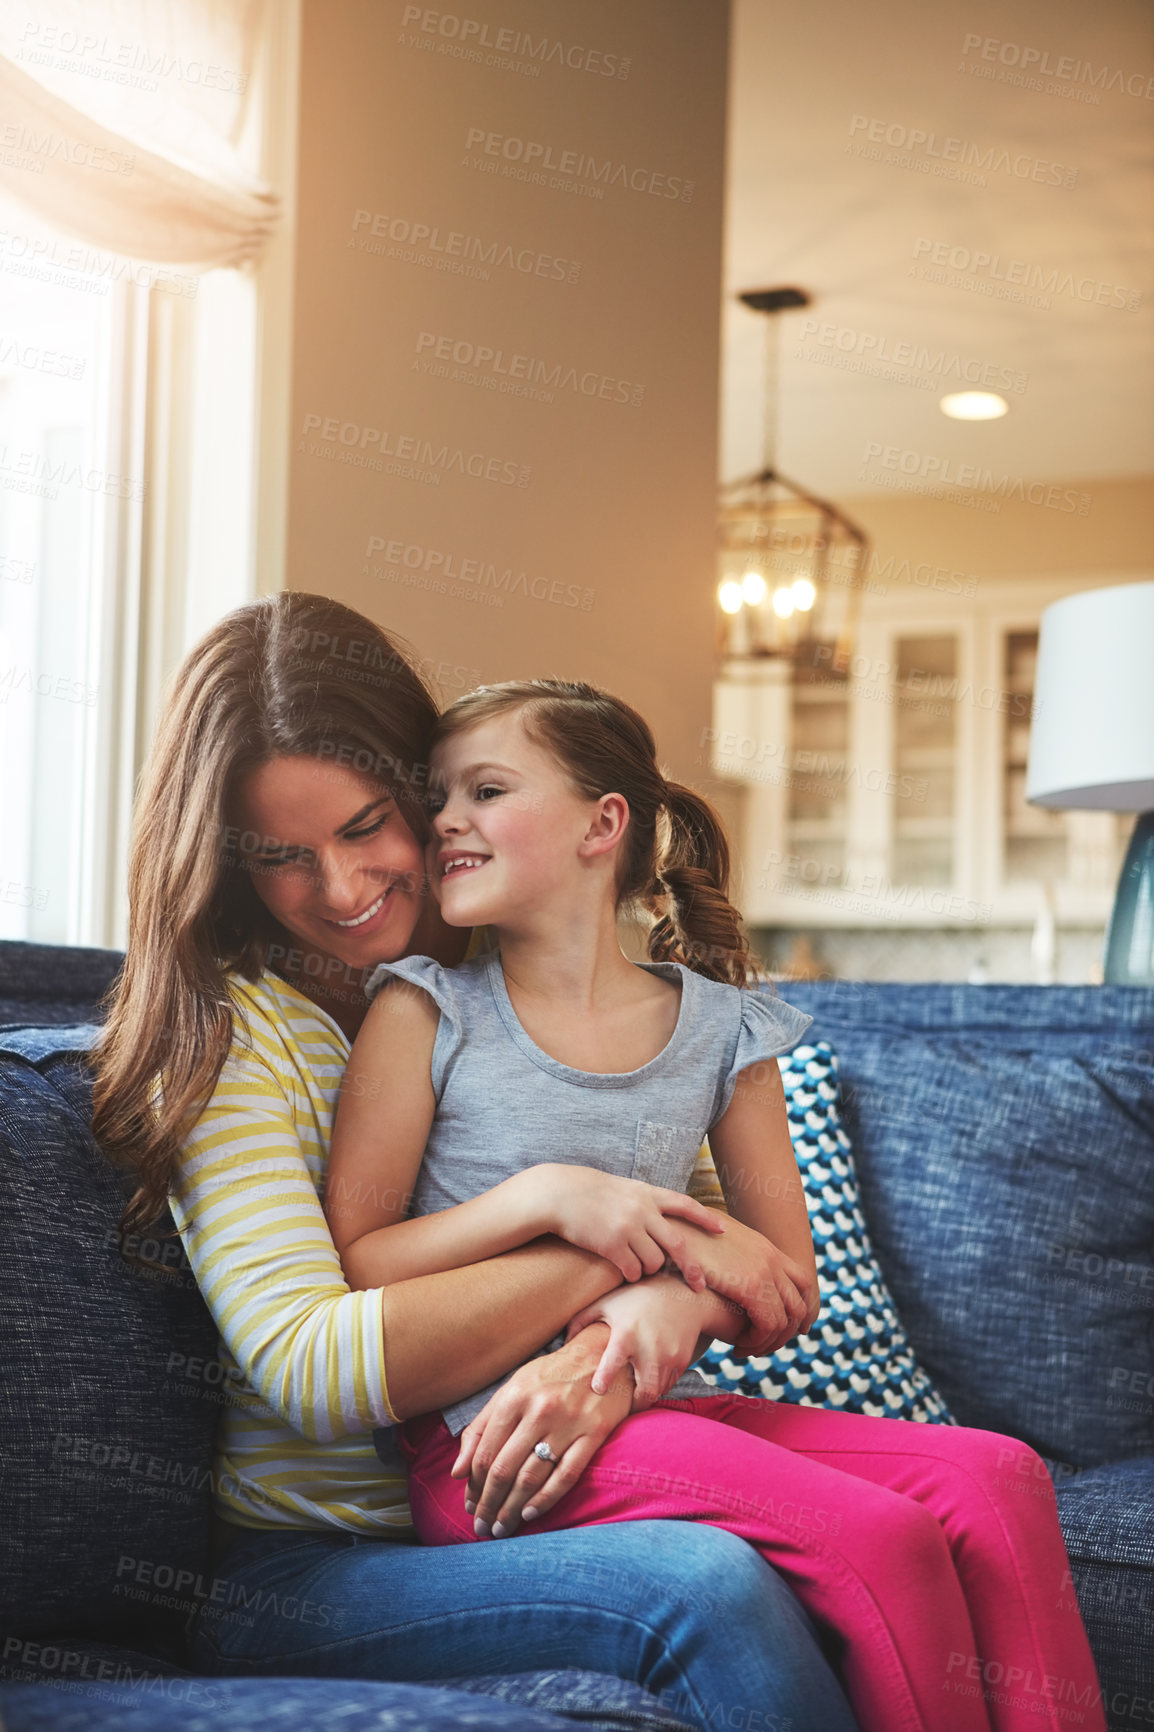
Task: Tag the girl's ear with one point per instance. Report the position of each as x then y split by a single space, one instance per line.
607 825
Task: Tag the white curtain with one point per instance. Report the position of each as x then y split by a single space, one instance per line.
121 124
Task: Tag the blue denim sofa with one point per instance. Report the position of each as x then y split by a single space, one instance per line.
107 1415
1004 1138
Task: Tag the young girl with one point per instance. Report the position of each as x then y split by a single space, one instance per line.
475 1101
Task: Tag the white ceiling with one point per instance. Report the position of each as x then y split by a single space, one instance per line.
803 212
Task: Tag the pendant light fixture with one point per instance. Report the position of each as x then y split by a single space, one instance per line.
791 562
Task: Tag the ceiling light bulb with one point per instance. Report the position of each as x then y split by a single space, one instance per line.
804 594
974 406
783 603
753 588
730 596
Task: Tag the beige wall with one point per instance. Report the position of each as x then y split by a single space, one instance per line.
1089 527
600 502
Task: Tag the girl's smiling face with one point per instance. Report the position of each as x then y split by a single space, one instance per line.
512 834
332 858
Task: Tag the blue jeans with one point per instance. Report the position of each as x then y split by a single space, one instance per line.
688 1611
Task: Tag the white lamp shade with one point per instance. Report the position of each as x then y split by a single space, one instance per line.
1092 740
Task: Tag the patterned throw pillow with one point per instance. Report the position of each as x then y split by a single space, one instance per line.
859 1357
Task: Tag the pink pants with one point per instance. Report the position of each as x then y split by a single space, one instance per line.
930 1554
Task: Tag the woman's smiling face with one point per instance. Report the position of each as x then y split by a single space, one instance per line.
332 858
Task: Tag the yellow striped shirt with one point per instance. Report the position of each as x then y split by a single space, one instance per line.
302 1357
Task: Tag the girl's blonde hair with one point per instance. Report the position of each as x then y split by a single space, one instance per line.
292 674
674 865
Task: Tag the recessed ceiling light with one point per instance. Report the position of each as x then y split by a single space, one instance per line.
974 405
730 596
753 588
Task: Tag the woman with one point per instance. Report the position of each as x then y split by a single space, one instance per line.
277 859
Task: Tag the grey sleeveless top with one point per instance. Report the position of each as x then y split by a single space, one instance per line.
503 1104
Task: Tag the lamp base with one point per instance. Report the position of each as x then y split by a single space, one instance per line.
1130 938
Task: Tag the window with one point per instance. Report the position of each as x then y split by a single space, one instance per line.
68 501
143 425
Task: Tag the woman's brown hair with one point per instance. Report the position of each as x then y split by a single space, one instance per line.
675 858
289 675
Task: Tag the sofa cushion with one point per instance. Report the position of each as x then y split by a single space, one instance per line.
105 1452
594 1699
53 983
859 1357
1107 1516
107 1691
1005 1141
188 1704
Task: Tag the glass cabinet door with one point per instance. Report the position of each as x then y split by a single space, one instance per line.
817 810
1034 840
887 788
925 760
1076 854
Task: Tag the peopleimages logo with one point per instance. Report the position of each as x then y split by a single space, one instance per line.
24 254
118 62
530 159
41 147
1066 69
353 443
941 471
522 375
938 364
1045 279
31 472
917 143
476 34
438 568
454 250
36 360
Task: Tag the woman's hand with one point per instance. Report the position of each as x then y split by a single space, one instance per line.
548 1400
634 1226
780 1299
655 1329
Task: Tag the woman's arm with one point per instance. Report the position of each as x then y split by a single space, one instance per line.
449 1335
246 1205
382 1125
571 1402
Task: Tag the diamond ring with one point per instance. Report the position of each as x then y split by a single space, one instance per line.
543 1451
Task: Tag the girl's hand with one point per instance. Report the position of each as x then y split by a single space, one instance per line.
654 1329
550 1400
780 1299
634 1226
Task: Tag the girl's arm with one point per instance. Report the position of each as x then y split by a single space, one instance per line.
384 1116
762 1290
765 1277
382 1125
247 1210
763 1189
429 1322
758 1171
